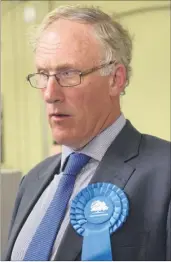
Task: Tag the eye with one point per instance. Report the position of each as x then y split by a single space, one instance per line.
69 73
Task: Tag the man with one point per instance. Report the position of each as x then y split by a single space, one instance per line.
83 61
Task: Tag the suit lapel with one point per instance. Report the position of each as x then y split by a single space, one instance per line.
113 168
39 183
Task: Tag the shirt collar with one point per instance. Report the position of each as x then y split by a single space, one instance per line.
97 147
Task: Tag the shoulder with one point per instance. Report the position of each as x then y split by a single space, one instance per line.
40 168
44 164
155 145
154 156
149 150
146 142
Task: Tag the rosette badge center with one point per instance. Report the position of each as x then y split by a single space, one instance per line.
96 212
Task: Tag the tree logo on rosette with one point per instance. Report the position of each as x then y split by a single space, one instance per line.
99 206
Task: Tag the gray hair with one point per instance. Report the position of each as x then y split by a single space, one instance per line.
115 40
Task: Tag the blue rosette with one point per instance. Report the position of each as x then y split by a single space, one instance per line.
96 212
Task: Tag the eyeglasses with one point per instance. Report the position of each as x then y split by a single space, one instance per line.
67 78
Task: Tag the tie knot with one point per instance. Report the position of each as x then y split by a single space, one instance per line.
75 163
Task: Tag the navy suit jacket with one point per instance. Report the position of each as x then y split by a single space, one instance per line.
137 163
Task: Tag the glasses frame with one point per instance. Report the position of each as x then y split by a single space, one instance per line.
81 74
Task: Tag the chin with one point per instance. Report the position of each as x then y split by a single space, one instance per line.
69 141
63 138
67 137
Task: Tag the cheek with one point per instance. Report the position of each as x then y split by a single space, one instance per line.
81 105
97 96
91 103
42 93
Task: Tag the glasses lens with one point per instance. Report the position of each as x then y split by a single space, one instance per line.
39 80
65 79
70 78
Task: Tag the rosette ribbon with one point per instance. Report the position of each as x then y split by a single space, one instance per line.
96 212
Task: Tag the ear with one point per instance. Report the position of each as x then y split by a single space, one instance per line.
118 80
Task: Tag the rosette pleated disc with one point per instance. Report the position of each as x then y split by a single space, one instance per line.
107 190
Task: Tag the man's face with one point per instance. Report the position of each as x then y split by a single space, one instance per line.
76 114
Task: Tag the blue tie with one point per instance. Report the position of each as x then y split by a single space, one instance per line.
42 242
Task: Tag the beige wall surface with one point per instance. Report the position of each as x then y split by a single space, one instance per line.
27 138
22 107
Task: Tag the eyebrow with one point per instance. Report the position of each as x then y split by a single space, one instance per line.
57 68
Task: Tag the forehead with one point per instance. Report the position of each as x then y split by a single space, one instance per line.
70 42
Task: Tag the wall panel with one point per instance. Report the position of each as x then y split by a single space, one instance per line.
22 107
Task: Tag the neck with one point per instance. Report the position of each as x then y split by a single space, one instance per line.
108 121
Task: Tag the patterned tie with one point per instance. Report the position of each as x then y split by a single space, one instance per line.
42 242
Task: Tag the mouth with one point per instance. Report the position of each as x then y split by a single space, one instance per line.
59 116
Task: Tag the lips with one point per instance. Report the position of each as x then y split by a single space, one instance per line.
59 115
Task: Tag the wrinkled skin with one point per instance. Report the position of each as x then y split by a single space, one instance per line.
93 105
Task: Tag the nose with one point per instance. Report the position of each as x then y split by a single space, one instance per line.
53 91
